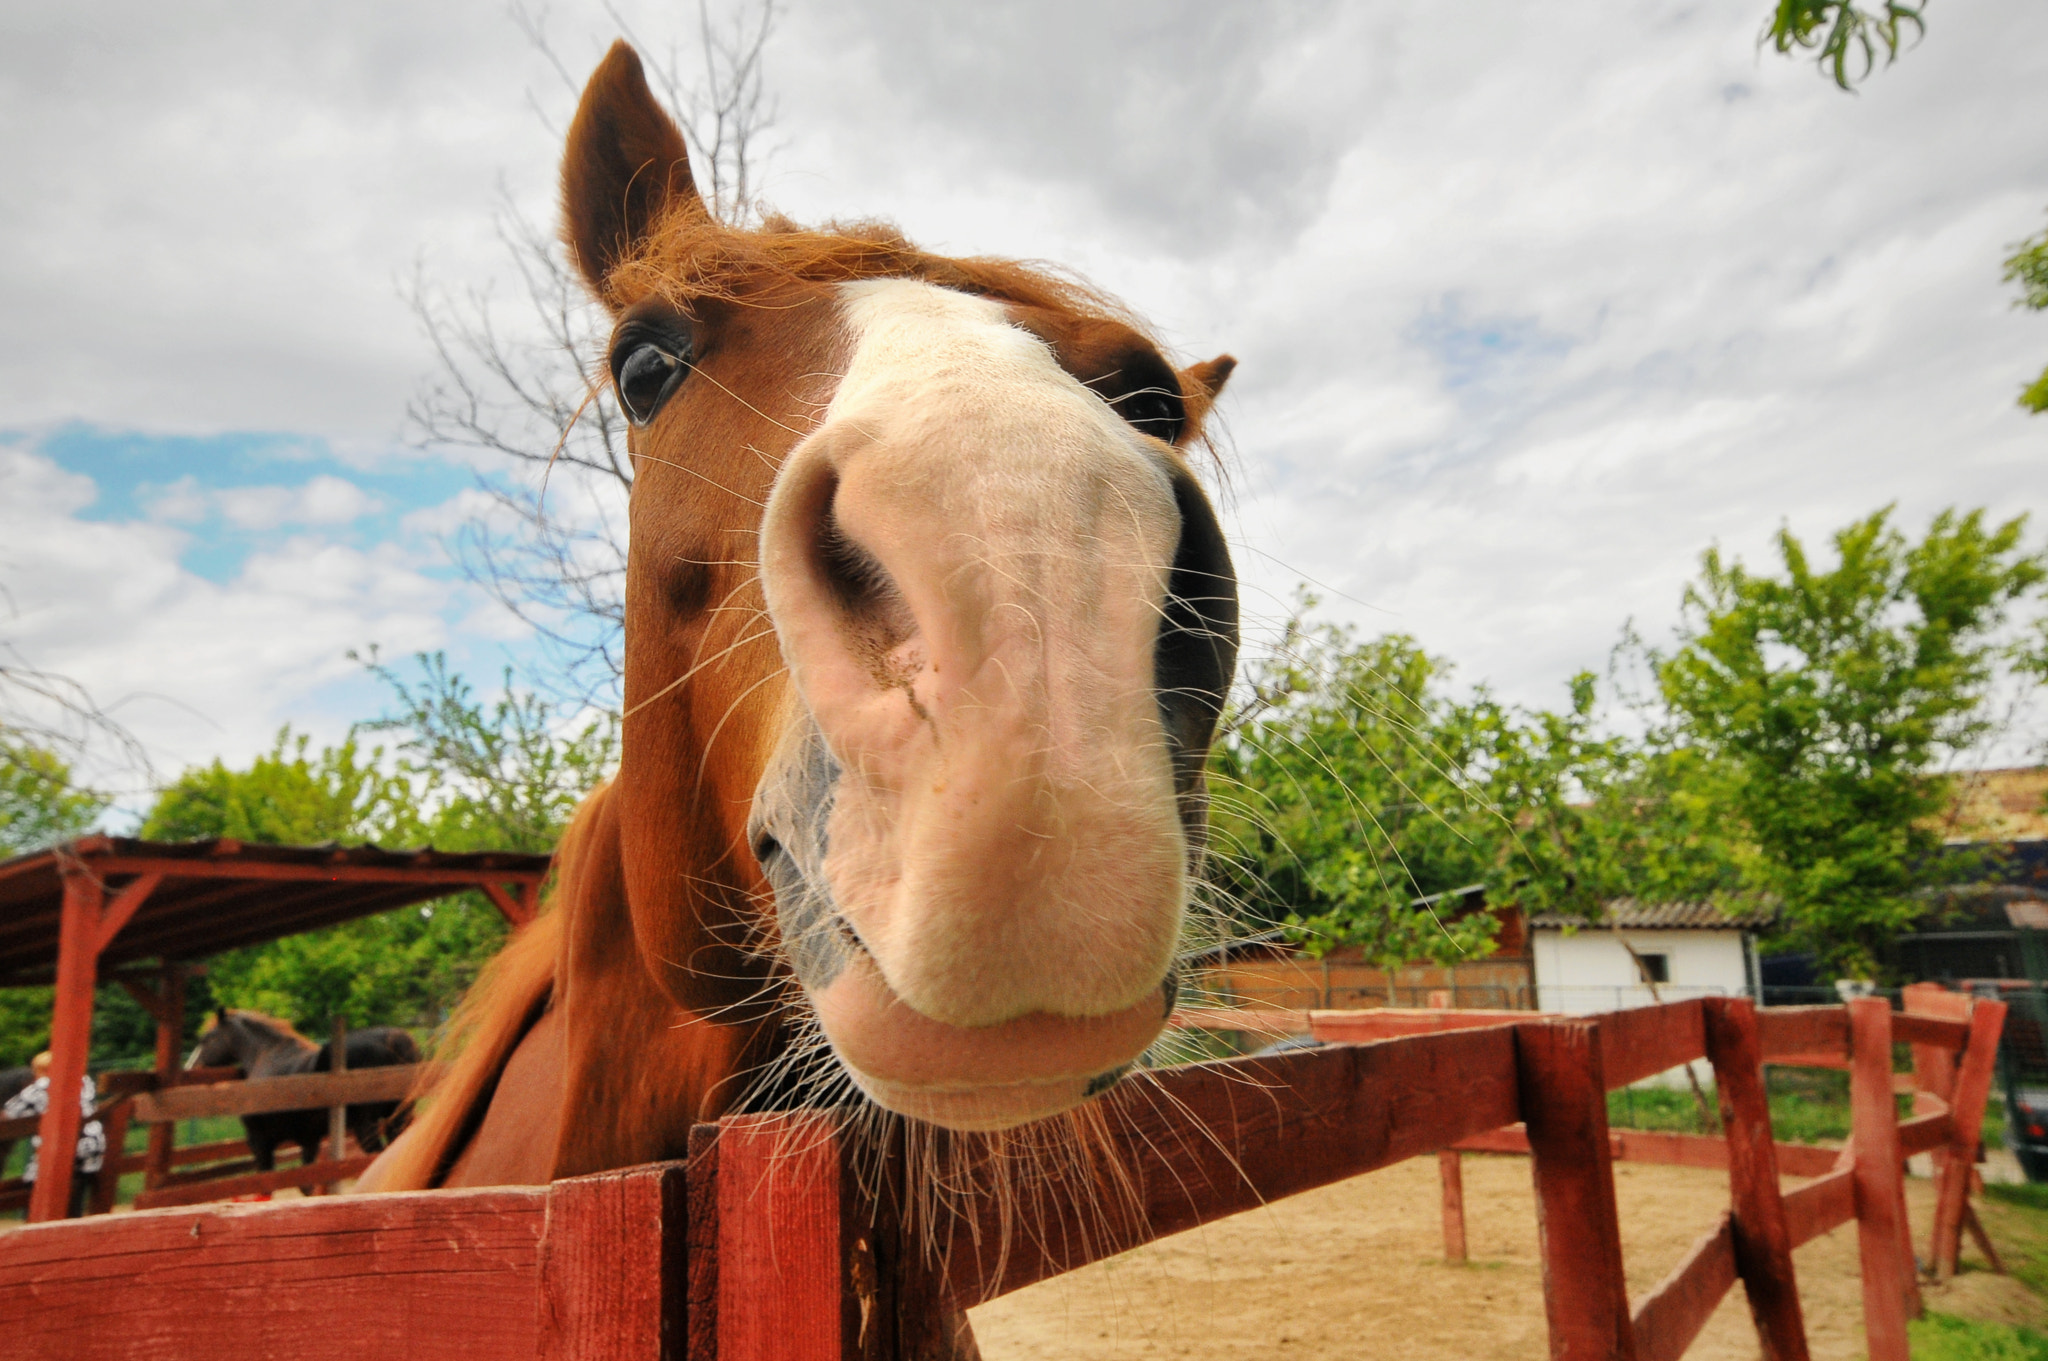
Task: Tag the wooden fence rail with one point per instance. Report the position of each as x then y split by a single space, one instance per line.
782 1238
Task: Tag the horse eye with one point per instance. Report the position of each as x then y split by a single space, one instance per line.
1152 413
644 376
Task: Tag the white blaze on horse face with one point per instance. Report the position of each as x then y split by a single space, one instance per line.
966 565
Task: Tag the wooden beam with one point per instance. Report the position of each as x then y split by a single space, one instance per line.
1671 1316
1880 1235
1925 1132
1387 1023
1759 1234
1564 1103
261 1096
351 1278
117 913
513 910
1196 1143
70 1037
1937 1031
1821 1206
175 868
197 1192
1644 1041
1974 1077
1783 1031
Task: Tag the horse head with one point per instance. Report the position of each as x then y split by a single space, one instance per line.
928 627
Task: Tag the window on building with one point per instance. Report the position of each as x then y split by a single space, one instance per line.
1656 968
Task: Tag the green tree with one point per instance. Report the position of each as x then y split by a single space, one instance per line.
2028 267
40 802
1817 706
463 775
1355 782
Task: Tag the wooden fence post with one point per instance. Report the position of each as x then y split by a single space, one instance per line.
1564 1103
613 1267
1451 1173
1874 1123
1763 1240
1966 1109
784 1241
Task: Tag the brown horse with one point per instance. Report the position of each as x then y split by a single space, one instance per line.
928 627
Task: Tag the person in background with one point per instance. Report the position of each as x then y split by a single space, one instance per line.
34 1099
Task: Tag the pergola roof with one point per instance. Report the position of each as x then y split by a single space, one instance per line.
210 896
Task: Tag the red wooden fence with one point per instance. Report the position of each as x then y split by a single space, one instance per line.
786 1237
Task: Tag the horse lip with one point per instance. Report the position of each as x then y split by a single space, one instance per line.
980 1077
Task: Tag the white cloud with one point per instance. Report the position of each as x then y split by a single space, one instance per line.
197 667
1533 304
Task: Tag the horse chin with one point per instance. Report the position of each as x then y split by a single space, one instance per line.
979 1077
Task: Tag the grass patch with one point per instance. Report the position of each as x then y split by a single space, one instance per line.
1944 1337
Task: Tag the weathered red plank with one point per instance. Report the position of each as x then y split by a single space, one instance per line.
1671 1316
1645 1041
703 1243
253 1183
1391 1023
1564 1103
1923 1132
372 1278
1197 1143
782 1240
1937 1031
1784 1031
1761 1238
1821 1205
1880 1230
613 1268
1972 1090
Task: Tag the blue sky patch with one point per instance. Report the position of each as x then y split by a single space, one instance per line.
240 491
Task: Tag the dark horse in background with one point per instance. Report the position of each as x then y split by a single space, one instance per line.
263 1046
12 1080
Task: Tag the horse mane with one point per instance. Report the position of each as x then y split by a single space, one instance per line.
262 1018
691 255
471 1052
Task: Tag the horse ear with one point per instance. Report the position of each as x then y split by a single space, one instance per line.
625 166
1201 383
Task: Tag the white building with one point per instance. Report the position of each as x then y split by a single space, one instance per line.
1680 951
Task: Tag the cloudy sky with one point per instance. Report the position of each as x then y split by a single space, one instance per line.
1533 303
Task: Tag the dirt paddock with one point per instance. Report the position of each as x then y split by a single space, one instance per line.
1357 1269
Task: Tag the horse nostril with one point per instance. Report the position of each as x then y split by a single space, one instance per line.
766 846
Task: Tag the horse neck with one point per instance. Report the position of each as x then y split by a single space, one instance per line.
257 1046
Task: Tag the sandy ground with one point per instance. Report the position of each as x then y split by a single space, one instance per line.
1357 1269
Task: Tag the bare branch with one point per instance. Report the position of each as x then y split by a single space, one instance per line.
518 379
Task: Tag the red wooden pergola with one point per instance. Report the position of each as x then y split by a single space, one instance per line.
115 910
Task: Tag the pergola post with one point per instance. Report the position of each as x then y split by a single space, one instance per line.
78 956
170 1033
